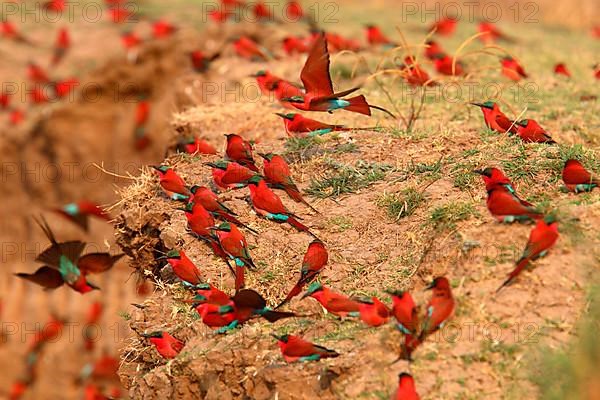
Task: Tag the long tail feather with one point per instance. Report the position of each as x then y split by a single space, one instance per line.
521 264
384 110
293 293
296 224
359 105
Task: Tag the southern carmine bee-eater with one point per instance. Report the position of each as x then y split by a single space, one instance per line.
210 201
502 200
335 303
319 94
293 10
234 175
64 264
278 175
296 125
561 69
36 74
92 317
200 61
240 151
491 33
542 237
433 49
233 242
512 69
250 50
495 119
294 45
130 40
373 312
55 5
375 37
195 145
439 308
209 294
173 185
444 26
443 64
405 312
200 221
183 267
268 205
162 29
294 348
166 345
406 388
63 42
314 261
80 212
10 31
265 80
577 179
413 74
531 132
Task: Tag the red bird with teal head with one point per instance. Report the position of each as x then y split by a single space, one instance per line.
373 312
503 202
267 204
278 175
195 145
319 94
314 261
240 151
405 311
577 179
183 267
439 308
299 126
335 303
512 69
200 61
406 388
234 175
542 237
234 244
173 185
495 119
166 345
63 42
200 221
295 349
376 37
210 201
531 132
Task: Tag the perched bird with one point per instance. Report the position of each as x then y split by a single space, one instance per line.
406 388
278 175
443 64
250 50
166 345
294 45
89 331
491 33
405 311
542 237
297 125
240 151
503 202
376 37
495 119
80 212
268 205
210 201
335 303
234 175
195 145
36 74
433 49
294 348
265 80
561 69
373 312
173 185
293 10
283 90
183 267
162 29
262 12
63 42
200 221
439 308
55 5
234 244
9 31
209 294
64 86
577 179
130 40
445 26
319 94
530 131
512 69
413 74
314 261
201 62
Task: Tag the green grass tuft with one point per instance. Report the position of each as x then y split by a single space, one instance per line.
401 205
344 178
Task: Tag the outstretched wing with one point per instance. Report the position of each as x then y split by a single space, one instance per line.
315 74
95 263
44 276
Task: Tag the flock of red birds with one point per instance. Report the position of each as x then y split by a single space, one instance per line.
218 226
